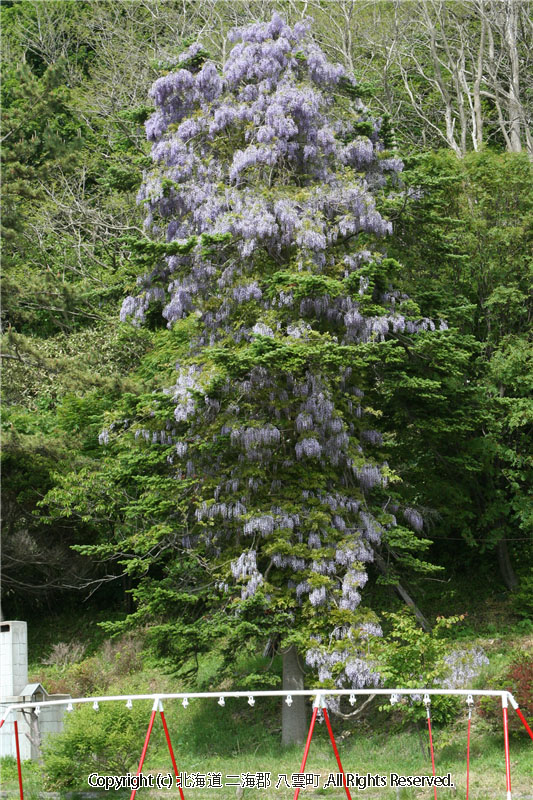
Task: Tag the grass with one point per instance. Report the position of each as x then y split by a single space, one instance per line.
247 749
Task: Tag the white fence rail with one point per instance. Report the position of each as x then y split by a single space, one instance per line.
506 697
422 695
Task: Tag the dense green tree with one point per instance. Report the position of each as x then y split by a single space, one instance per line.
466 244
65 200
50 427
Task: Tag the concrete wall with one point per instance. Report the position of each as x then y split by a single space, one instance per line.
13 658
13 679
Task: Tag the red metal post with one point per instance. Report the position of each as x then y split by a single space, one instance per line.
431 750
524 723
337 756
307 746
145 748
468 755
19 766
171 751
506 745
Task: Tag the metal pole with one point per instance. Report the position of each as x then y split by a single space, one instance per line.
145 747
428 712
524 723
468 754
337 756
307 746
171 751
19 766
506 746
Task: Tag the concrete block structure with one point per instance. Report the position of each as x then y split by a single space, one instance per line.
13 679
14 688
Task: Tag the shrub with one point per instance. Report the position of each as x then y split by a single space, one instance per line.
412 658
64 653
515 677
108 741
70 672
522 599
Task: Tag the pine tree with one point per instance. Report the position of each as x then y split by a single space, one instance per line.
264 248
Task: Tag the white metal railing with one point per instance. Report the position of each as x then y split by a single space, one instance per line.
506 697
422 695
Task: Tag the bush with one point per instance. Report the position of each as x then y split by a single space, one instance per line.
515 677
109 741
412 658
522 599
70 673
64 653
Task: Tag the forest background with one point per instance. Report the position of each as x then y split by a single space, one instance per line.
453 79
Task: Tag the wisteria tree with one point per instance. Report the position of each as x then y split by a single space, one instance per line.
264 243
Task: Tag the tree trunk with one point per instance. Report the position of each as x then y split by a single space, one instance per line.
477 127
511 40
506 568
294 717
382 566
34 735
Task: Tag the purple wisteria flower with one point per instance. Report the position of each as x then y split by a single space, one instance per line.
414 518
464 664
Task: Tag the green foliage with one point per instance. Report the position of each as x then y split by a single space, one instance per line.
304 285
461 247
522 600
464 395
49 427
62 266
31 777
41 134
68 668
410 658
513 673
455 405
108 741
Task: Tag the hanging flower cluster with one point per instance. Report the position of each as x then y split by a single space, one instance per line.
344 663
464 664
